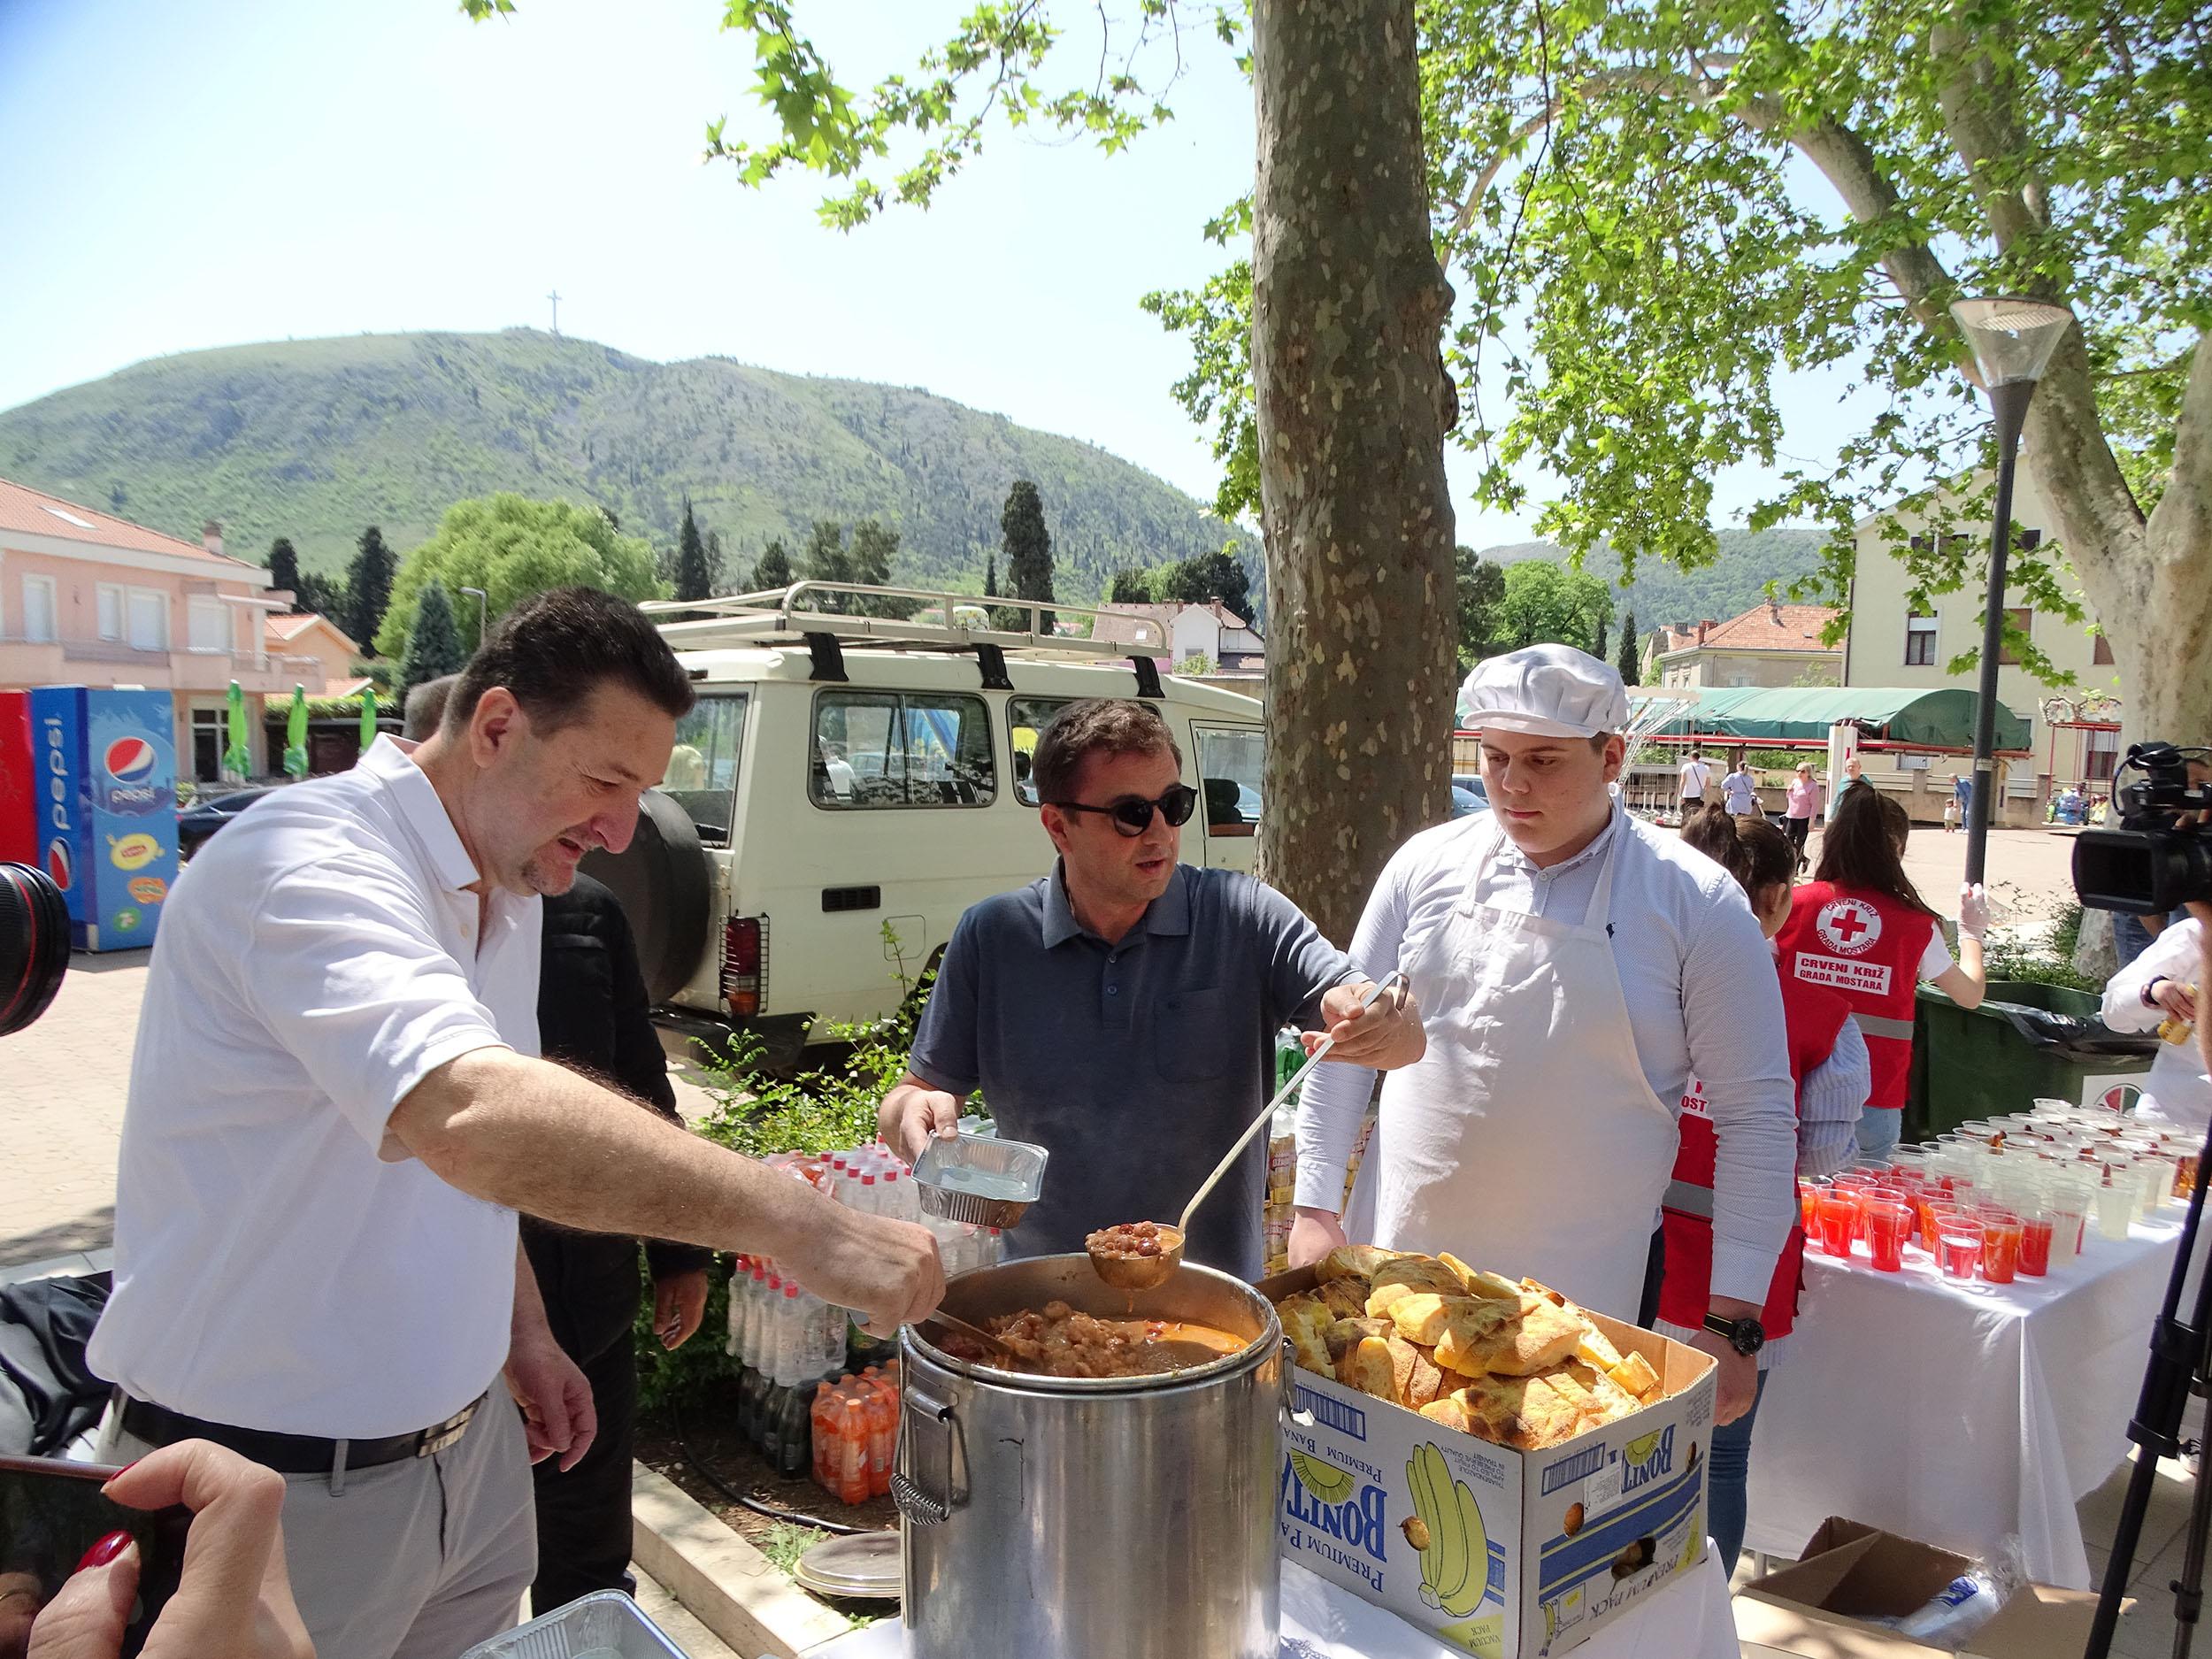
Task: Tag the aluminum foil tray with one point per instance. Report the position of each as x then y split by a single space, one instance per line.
980 1179
606 1624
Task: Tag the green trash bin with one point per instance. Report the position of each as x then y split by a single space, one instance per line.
2026 1039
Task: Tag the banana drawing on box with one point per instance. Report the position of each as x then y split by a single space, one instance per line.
1322 1478
1447 1528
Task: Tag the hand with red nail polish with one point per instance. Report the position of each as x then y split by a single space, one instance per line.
235 1599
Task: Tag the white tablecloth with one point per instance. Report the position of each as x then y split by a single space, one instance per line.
1957 1412
1689 1619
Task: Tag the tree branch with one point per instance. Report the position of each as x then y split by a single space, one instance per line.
2182 520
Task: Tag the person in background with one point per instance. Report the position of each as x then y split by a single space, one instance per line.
1577 966
594 1017
1951 810
1801 808
233 1598
2165 984
1861 927
1829 1071
1121 1011
1739 791
1693 775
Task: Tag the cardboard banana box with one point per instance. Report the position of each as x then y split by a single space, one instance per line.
1506 1554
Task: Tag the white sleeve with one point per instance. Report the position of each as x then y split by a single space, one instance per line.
346 971
1333 1102
1936 959
1830 1102
2173 955
1731 1008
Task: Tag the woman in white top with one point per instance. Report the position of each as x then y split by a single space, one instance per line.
2165 983
1739 793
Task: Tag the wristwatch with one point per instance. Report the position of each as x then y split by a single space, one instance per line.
2150 991
1746 1336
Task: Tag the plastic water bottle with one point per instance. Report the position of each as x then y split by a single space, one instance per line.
900 1199
752 1393
741 1271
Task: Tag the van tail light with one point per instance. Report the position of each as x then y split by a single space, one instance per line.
744 965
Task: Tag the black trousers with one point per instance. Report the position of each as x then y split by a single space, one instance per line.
1798 828
1655 1273
584 1515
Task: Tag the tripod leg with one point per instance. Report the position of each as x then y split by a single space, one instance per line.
2178 1362
2189 1588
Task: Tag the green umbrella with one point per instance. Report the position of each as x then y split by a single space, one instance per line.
296 734
368 716
237 758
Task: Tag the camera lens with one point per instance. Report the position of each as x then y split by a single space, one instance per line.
34 944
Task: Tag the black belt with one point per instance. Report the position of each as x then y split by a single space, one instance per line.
291 1454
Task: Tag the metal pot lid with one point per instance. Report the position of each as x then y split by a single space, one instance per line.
863 1566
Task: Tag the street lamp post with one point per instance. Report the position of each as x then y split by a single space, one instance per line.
2012 340
481 604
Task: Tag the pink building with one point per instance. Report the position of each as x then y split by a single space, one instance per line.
89 599
306 634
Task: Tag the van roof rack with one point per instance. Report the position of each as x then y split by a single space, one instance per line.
805 613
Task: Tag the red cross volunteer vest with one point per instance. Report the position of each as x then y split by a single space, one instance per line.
1867 946
1811 1017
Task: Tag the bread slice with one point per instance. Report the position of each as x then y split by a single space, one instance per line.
1351 1260
1342 1335
1345 1297
1538 1339
1408 1276
1634 1374
1306 1322
1451 1412
1367 1367
1476 1283
1525 1413
1595 1349
1612 1400
1429 1380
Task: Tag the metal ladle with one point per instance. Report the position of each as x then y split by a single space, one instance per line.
1147 1273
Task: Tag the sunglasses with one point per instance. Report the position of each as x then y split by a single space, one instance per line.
1132 816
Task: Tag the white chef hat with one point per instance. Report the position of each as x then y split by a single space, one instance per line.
1544 690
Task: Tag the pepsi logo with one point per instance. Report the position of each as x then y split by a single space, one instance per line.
131 760
60 863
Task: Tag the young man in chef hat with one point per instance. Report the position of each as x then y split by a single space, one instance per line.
1576 966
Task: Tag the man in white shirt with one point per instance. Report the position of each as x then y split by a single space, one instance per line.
336 1110
1574 967
2166 983
1693 774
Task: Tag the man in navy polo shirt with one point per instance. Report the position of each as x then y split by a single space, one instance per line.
1121 1011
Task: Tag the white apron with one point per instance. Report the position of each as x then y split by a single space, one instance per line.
1526 1140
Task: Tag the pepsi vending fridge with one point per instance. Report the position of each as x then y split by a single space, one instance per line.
106 769
19 810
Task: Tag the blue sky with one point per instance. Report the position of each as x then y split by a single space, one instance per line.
181 175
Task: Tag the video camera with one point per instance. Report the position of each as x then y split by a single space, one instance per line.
2162 855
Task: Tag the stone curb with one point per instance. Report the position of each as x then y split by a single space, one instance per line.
730 1587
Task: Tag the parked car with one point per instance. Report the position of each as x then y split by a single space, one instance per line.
206 815
834 804
1469 795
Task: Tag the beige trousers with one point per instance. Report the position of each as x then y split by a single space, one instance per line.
418 1559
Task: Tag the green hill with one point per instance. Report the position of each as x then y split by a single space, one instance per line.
315 439
1734 582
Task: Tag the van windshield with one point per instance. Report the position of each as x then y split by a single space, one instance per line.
703 769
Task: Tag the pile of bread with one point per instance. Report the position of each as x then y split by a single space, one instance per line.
1516 1365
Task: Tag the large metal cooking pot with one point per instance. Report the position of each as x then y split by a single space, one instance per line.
1127 1517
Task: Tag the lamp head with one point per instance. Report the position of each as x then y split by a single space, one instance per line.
2012 338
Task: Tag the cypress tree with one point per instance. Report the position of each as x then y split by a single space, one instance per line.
1629 667
434 645
774 569
693 580
368 586
1028 546
284 569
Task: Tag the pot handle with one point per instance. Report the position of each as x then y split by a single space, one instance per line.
1291 1413
918 1506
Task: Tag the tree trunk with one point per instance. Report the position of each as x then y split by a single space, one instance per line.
1352 401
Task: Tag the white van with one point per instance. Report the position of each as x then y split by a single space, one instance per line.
847 785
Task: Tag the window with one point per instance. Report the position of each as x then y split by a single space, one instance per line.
2101 754
110 609
1920 639
1230 762
2022 618
38 609
901 748
208 737
208 621
703 770
1025 719
2102 653
148 612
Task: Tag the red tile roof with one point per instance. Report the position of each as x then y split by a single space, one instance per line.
32 512
282 630
1761 628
